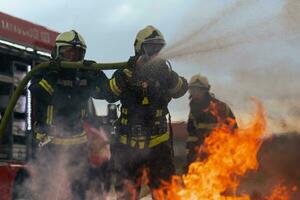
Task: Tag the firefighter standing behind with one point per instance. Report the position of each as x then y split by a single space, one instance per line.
143 141
206 112
60 99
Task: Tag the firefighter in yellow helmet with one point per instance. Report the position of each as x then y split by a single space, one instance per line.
143 140
206 113
60 100
148 43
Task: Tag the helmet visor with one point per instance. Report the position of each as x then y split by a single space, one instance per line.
71 53
152 49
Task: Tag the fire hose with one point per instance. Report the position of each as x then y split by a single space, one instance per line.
49 66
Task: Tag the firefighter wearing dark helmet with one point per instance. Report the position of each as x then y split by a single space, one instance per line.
206 113
144 89
60 100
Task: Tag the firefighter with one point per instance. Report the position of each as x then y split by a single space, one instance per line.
60 100
144 89
206 112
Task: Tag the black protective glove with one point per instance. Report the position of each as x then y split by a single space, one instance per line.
92 75
154 69
132 61
173 79
165 70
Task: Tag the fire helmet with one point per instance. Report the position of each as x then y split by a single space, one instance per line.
149 41
198 81
66 41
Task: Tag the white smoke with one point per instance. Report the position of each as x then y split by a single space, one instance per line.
248 48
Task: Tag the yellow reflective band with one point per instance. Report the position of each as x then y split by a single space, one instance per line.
177 87
113 86
116 86
154 140
157 140
124 111
159 112
128 72
123 139
49 119
179 84
83 113
141 145
145 101
79 139
40 136
124 121
192 139
51 114
132 143
46 86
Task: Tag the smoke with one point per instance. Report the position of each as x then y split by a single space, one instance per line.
248 48
61 172
291 15
52 181
225 31
205 40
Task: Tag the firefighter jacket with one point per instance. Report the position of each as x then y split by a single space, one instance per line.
60 100
204 117
144 93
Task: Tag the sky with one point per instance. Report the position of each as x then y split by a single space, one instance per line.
246 48
109 27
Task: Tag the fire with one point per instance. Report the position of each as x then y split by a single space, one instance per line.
280 192
230 154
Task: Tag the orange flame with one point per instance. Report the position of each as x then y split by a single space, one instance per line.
280 192
230 155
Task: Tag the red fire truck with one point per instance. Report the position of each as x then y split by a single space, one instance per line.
22 46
